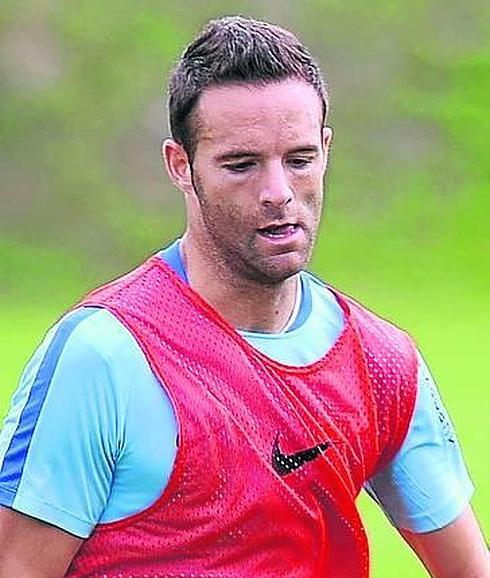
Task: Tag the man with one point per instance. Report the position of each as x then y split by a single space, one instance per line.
217 411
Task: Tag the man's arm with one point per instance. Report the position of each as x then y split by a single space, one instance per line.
426 491
33 549
57 452
456 551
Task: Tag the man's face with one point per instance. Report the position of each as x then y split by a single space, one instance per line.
258 176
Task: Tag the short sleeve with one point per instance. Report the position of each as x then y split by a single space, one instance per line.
426 485
61 437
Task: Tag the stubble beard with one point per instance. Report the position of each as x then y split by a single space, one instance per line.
243 260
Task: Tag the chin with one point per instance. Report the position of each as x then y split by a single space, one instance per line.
275 273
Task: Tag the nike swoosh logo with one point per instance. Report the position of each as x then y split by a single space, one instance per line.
284 464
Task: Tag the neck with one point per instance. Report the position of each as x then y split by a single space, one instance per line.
246 304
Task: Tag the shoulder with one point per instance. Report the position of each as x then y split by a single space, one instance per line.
67 423
389 356
384 343
84 364
91 338
375 329
96 330
426 485
90 355
371 321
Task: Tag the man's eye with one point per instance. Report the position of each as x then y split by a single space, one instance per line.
300 162
240 167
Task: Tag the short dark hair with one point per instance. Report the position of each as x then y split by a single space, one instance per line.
235 50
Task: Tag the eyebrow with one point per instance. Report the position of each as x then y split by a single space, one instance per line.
305 149
236 155
241 154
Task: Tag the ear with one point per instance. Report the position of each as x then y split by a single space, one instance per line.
327 136
177 165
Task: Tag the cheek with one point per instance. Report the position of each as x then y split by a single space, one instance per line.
311 187
233 201
227 215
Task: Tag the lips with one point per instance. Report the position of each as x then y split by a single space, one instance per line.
279 230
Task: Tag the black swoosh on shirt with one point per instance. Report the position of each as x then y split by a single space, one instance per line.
284 464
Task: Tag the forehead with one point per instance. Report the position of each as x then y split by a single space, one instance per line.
256 115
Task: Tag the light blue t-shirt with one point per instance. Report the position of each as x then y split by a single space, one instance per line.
91 435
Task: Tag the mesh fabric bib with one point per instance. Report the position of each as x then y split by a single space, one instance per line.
271 458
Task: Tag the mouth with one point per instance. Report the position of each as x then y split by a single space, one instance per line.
279 231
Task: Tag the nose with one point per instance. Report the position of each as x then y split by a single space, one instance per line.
276 190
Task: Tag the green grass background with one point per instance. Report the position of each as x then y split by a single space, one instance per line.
406 227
